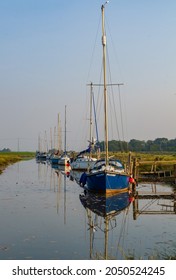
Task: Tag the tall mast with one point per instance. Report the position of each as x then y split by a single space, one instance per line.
51 141
58 132
91 95
45 143
55 148
39 143
105 86
65 131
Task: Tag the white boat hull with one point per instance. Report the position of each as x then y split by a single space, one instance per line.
64 160
83 163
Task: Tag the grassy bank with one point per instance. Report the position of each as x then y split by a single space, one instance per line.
147 161
12 157
146 156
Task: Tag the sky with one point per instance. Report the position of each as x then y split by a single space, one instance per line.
46 53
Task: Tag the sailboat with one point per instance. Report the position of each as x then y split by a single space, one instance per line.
84 160
41 155
108 175
64 159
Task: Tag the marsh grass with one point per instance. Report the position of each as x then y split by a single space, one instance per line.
163 161
147 161
12 157
146 156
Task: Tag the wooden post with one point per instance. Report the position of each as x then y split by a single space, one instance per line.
129 163
175 172
175 202
135 207
134 174
135 168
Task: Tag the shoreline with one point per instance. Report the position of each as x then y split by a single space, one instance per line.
9 158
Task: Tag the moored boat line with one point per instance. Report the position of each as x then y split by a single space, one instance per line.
105 175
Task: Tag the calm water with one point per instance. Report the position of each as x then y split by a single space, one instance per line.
44 214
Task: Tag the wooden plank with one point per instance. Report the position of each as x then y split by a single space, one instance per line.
149 195
155 212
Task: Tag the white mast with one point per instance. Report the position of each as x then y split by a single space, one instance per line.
65 131
39 143
51 140
55 148
59 134
58 124
105 85
91 97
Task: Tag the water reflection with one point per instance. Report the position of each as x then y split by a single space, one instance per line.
154 201
45 214
62 173
111 218
106 207
75 176
106 214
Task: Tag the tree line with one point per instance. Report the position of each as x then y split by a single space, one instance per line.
157 145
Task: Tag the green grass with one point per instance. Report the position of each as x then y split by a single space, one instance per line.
12 157
163 161
146 156
146 160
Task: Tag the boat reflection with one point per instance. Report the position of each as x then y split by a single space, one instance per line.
63 173
61 168
104 207
75 175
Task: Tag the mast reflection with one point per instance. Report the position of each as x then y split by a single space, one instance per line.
104 207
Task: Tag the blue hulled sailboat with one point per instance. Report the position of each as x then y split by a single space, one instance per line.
108 175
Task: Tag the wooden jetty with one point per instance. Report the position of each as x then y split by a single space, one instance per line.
159 171
153 175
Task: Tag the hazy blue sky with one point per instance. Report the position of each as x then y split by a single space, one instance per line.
45 52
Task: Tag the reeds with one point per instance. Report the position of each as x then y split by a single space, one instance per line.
12 157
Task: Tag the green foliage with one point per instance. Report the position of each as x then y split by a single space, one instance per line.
157 145
7 158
